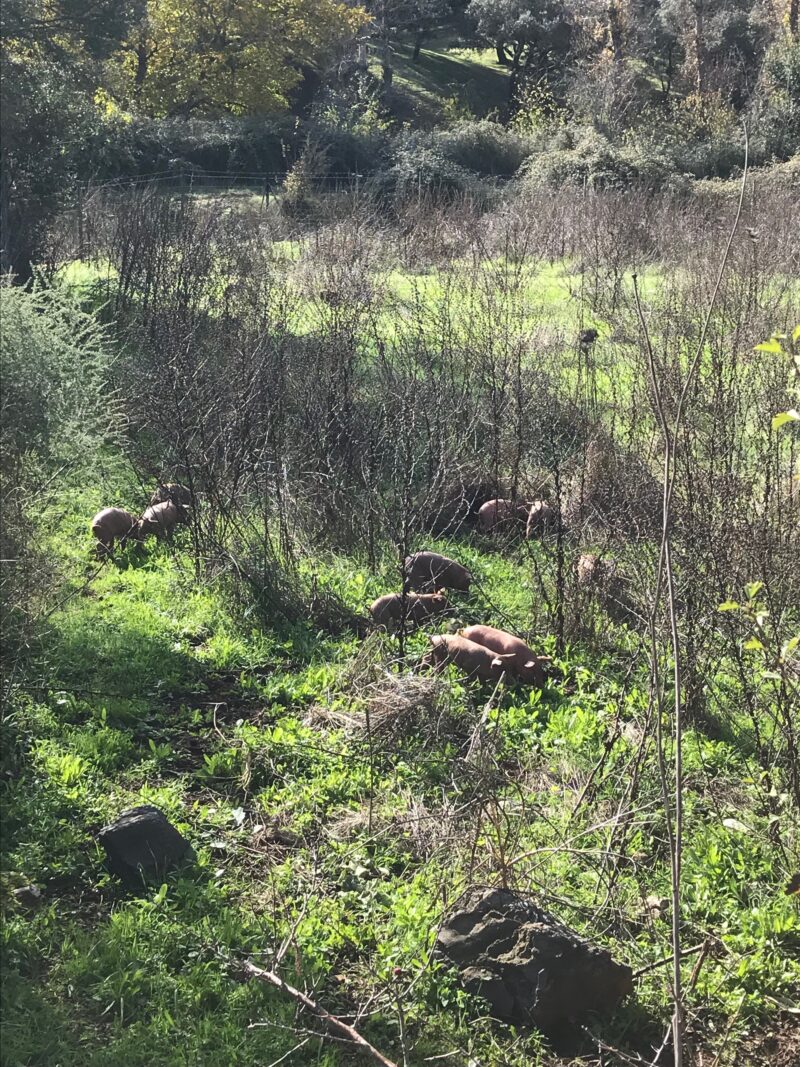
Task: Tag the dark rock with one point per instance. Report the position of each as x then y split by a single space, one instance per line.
526 964
29 896
142 842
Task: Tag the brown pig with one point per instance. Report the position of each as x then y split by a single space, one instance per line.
112 524
497 513
541 518
476 661
387 610
524 663
173 491
588 569
161 519
426 571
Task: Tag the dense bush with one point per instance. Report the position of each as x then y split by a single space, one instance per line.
145 147
484 147
420 164
57 413
579 156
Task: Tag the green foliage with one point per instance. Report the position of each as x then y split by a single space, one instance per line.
482 147
57 406
218 58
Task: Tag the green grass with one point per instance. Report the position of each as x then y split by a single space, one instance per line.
154 692
468 80
151 688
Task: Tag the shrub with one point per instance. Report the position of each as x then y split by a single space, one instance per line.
57 413
145 147
483 147
421 165
579 156
775 111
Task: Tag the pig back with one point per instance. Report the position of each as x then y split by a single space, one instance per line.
429 570
113 522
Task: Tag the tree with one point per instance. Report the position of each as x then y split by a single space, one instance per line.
228 56
723 41
51 58
529 35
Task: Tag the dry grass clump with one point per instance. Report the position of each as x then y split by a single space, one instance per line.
389 707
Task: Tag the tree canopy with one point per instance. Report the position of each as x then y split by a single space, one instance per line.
218 56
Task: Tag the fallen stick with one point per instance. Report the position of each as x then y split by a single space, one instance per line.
668 959
273 979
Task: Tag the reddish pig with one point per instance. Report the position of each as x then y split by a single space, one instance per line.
388 610
497 513
161 519
525 664
112 524
541 518
426 571
173 491
476 661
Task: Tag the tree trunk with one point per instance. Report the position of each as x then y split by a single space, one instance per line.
142 61
615 30
502 55
419 37
699 46
794 18
17 233
516 72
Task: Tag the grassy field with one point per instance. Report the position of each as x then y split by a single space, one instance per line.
251 739
351 841
467 81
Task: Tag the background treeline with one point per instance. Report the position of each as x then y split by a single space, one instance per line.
616 93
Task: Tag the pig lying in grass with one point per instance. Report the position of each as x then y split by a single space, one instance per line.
426 571
476 661
113 524
520 660
388 610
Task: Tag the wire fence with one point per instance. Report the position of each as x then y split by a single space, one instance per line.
190 180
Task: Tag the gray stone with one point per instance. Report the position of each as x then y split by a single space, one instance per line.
28 896
531 968
143 843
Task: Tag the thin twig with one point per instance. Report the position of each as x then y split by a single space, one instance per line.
668 959
273 979
665 571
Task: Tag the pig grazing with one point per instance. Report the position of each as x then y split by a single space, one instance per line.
476 661
527 666
173 491
589 569
426 571
593 570
496 513
388 610
161 519
112 524
541 519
